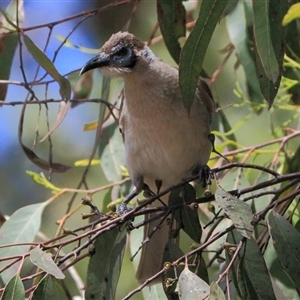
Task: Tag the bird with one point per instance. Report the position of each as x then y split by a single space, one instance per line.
163 143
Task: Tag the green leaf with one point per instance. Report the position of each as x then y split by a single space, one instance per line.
171 253
249 271
171 17
42 59
21 227
194 50
276 35
44 261
237 210
14 289
8 42
112 152
286 242
49 289
263 40
237 29
186 216
216 292
191 287
105 265
292 14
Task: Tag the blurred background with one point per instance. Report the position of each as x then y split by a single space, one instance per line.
70 142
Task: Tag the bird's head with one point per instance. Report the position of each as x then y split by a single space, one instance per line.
120 55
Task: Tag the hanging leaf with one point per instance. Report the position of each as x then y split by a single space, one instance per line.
21 227
186 216
249 271
49 289
191 287
286 242
9 40
83 88
171 17
237 210
237 29
14 289
105 265
111 152
269 42
194 50
44 261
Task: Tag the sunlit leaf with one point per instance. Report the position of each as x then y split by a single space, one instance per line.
237 210
62 112
14 289
44 261
105 265
191 287
194 50
49 288
90 126
40 178
186 216
171 17
21 227
85 162
42 59
286 242
292 14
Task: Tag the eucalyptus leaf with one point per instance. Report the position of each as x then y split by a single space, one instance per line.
105 265
286 242
21 227
14 289
237 210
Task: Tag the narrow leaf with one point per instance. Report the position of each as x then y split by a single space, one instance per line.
42 59
238 211
43 164
237 29
105 265
62 112
14 289
191 287
186 216
21 227
263 40
49 289
44 261
286 242
111 152
171 17
194 50
249 271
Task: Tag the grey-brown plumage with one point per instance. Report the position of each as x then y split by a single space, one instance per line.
162 142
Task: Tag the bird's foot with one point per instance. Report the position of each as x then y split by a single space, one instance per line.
205 175
123 208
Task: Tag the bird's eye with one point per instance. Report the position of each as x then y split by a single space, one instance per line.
124 57
122 52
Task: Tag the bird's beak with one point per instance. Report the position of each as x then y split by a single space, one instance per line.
101 60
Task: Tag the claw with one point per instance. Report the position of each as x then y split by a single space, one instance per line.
205 175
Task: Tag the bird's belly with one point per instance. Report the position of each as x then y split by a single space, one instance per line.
168 154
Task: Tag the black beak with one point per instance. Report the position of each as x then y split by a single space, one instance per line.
101 60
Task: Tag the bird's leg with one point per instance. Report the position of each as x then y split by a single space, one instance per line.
205 175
